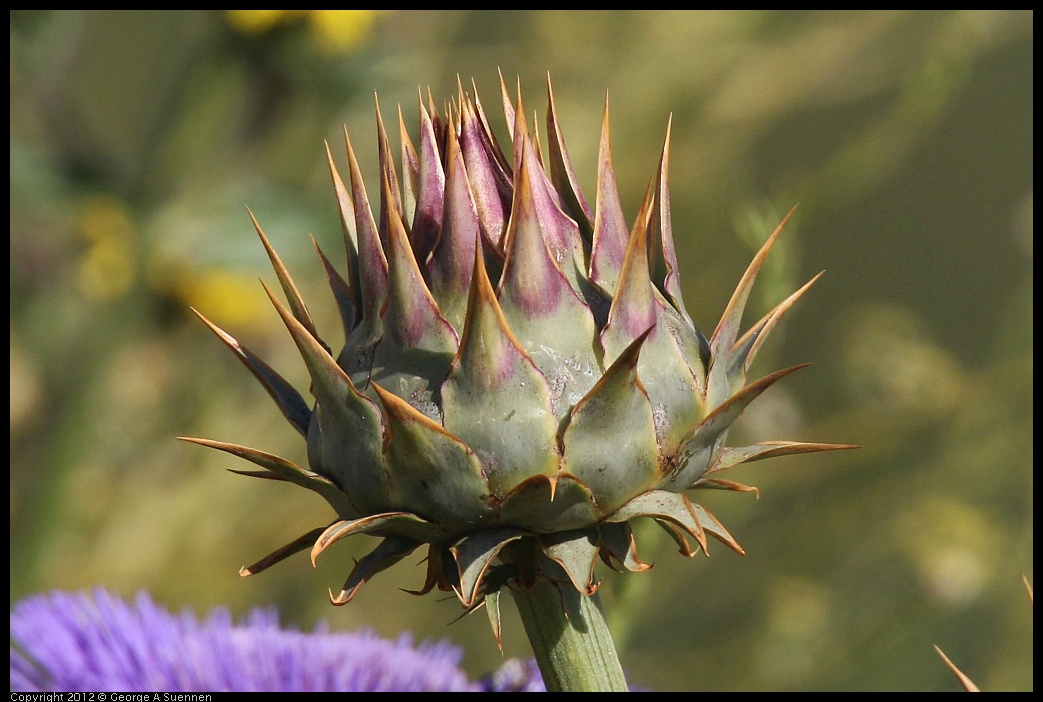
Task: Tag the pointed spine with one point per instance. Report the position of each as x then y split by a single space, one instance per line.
412 313
727 330
610 235
293 296
410 172
349 427
725 369
346 210
430 191
299 544
452 262
286 397
390 551
372 262
561 235
281 469
342 293
492 207
562 174
746 348
699 450
664 258
389 196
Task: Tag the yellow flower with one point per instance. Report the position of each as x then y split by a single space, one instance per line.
334 31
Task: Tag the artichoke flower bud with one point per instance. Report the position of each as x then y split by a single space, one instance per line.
521 378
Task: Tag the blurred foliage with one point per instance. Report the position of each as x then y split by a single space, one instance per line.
138 138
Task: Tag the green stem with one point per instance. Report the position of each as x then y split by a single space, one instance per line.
570 638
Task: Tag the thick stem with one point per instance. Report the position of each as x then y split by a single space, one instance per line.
570 638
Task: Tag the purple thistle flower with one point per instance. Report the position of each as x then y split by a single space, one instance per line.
80 641
515 675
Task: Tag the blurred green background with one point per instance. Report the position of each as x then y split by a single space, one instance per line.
138 139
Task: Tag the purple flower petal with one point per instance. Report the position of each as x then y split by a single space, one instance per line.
515 675
80 641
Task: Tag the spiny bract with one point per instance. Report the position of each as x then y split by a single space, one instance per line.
521 378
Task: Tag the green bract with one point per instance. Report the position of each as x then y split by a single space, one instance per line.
521 378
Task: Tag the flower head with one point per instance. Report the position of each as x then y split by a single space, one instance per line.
80 641
521 377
